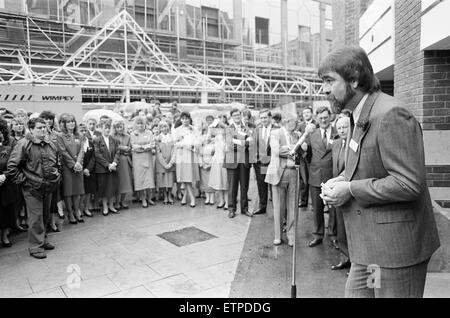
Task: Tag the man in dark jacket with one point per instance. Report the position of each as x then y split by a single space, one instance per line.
33 164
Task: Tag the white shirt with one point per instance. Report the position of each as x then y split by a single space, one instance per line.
322 131
106 139
358 109
266 133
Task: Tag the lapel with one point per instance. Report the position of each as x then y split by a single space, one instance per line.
106 152
352 157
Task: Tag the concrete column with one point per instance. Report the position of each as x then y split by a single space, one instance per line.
323 34
284 32
237 25
182 27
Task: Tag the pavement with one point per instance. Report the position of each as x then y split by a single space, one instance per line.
177 251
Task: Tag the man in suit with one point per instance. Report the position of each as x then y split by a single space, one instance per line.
262 137
282 175
338 154
238 141
320 144
303 160
383 192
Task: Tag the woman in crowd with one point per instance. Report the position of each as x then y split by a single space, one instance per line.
9 192
218 174
17 130
23 115
124 170
71 152
89 177
205 159
187 170
165 168
106 150
143 150
156 132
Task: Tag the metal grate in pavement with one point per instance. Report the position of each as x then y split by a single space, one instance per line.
186 236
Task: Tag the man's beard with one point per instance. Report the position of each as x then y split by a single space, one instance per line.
339 105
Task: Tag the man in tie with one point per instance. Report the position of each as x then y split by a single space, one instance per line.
262 137
282 175
239 144
303 160
383 194
338 154
319 146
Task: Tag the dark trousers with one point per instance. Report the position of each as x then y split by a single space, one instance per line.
303 185
341 235
38 219
238 177
319 219
403 282
263 187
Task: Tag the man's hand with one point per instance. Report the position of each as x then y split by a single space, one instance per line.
310 128
337 193
86 173
2 179
78 167
334 180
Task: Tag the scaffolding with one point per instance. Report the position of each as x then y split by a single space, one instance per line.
141 68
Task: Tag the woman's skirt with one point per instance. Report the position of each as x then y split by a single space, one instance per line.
107 185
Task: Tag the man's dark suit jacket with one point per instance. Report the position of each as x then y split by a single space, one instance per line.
338 165
103 156
389 220
321 166
235 154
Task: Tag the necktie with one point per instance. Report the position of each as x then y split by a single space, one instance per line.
324 139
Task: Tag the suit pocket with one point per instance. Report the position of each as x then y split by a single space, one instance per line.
394 215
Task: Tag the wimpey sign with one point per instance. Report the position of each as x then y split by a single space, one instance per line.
58 99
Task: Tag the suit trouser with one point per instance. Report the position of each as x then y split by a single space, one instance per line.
38 219
341 235
403 282
263 187
319 219
303 186
238 177
285 198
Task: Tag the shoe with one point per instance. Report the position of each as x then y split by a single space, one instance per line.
61 215
247 214
192 205
113 211
39 255
54 229
259 211
220 206
80 219
105 212
125 207
144 205
73 222
341 265
290 242
302 205
335 244
276 242
48 246
151 202
9 244
20 228
88 214
315 242
225 208
231 214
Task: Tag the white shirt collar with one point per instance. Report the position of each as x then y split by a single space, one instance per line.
358 109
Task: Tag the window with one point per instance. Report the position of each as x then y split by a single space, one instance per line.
211 17
261 30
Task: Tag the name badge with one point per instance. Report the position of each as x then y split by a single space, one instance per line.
354 145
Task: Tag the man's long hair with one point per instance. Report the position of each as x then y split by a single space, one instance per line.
352 64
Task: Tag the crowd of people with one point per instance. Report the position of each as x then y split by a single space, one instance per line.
75 168
365 167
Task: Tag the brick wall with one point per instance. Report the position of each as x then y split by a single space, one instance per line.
409 59
436 90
